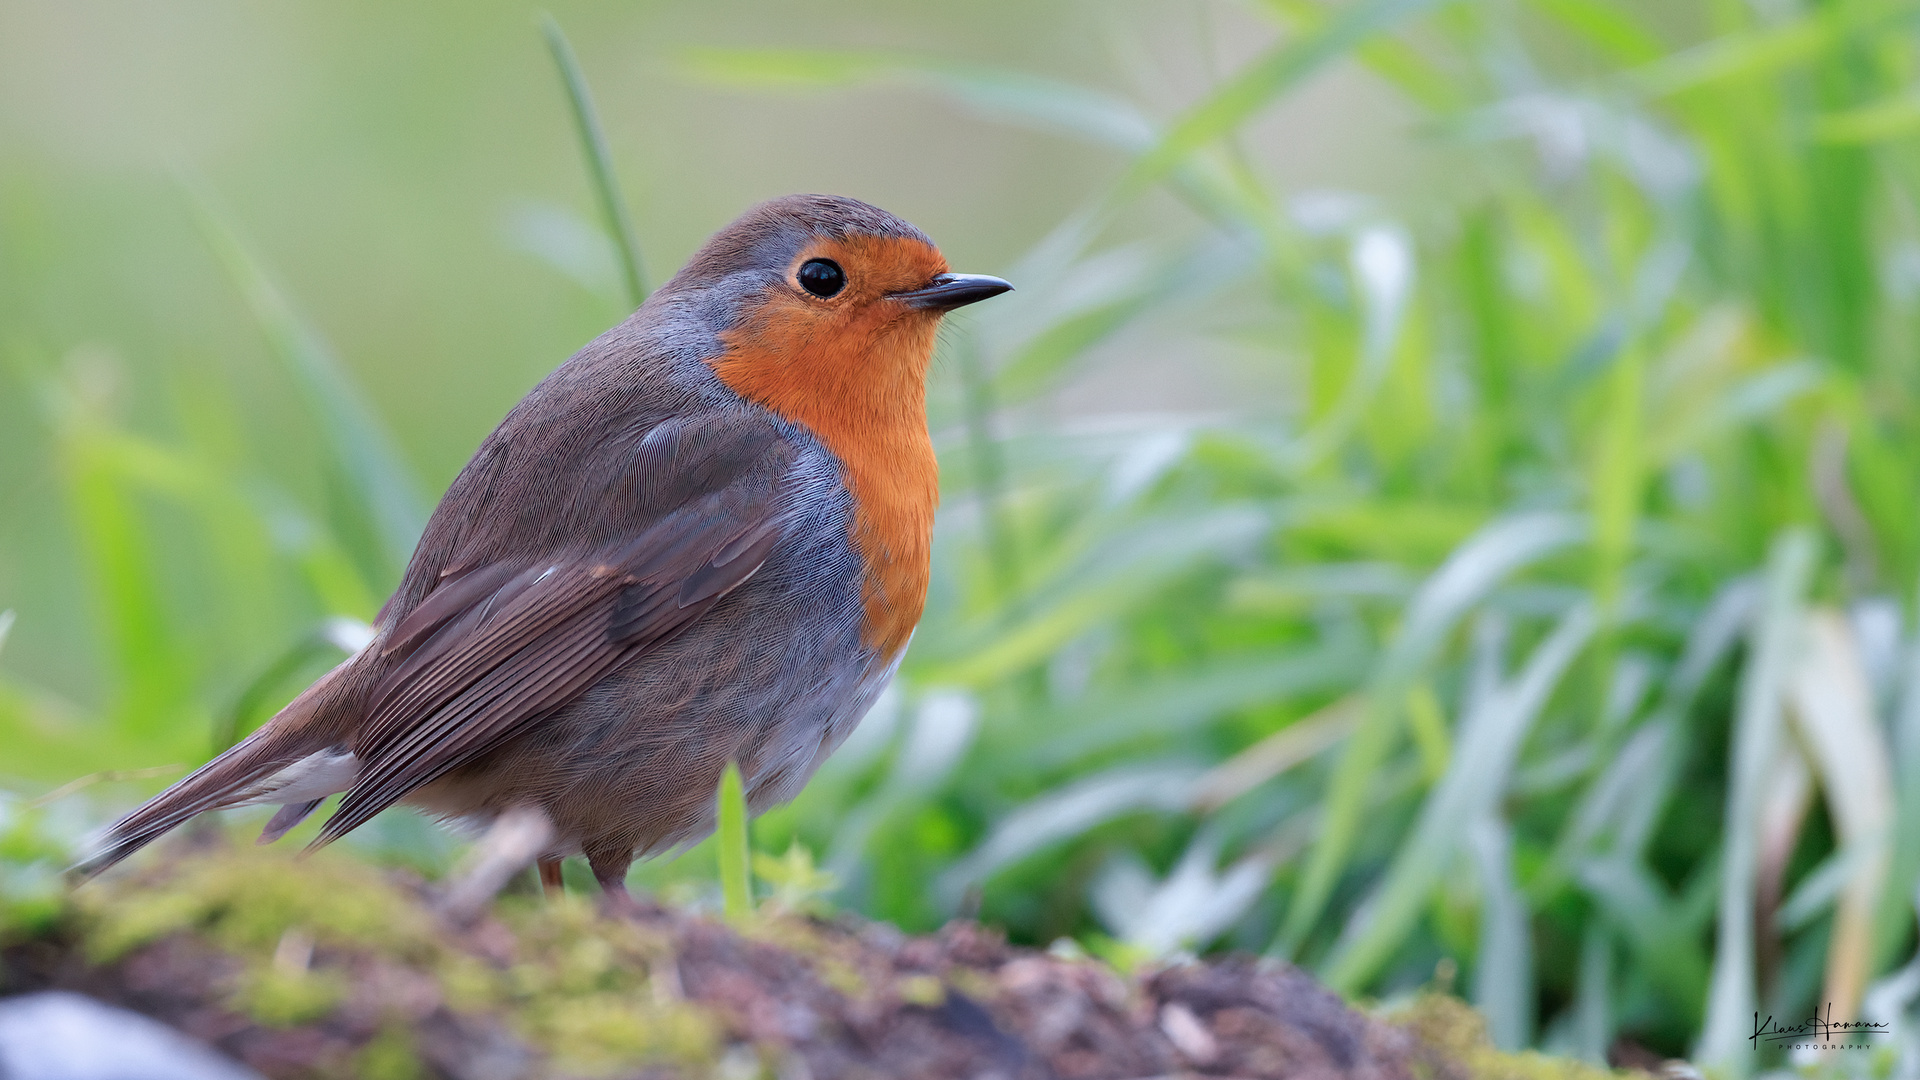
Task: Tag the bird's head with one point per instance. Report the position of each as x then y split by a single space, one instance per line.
826 307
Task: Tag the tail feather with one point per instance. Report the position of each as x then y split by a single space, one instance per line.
296 731
288 816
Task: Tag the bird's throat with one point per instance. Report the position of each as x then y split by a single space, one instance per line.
862 392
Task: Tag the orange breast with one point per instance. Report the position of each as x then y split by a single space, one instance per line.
855 376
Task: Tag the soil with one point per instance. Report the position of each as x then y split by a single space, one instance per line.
275 976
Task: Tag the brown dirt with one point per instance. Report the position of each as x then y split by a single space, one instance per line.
538 990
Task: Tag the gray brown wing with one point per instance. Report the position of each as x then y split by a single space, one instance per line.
501 644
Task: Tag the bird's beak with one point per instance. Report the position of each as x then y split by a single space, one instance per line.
949 291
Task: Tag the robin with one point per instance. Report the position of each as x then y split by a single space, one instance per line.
703 539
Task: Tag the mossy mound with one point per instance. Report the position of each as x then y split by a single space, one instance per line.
329 968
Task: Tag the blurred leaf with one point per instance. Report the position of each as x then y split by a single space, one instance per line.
1776 641
1820 888
1889 118
362 448
1092 300
735 853
1482 763
1381 259
1661 933
1503 987
998 94
1487 558
1261 82
1897 898
1067 812
1608 27
569 244
1181 701
1618 470
154 669
942 731
1593 1006
1117 572
593 143
1833 705
1191 907
1765 50
798 885
1298 742
1758 395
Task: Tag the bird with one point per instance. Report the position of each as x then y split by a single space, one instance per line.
703 539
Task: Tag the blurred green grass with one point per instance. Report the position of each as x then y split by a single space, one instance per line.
1557 625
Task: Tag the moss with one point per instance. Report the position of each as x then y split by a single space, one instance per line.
467 984
246 903
279 998
922 990
603 1033
786 931
975 984
1451 1028
389 1056
583 990
838 974
252 904
293 940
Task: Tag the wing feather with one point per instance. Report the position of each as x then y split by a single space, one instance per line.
501 645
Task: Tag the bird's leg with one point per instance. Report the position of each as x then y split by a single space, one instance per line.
516 838
617 903
550 880
611 872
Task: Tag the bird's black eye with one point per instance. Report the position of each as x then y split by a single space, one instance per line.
822 277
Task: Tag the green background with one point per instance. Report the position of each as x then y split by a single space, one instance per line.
1439 507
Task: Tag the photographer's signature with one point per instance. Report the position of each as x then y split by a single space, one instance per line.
1818 1030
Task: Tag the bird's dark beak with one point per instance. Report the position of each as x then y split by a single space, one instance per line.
949 291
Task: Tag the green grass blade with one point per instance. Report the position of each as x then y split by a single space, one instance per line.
1261 82
593 142
1475 568
1609 28
1765 50
1889 118
1759 723
979 405
1482 763
1659 932
735 853
1618 478
1179 702
230 725
366 454
1503 986
1381 263
1065 812
1834 710
152 669
1894 912
1047 104
1122 570
1593 1026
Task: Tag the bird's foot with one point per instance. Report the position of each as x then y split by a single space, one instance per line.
617 903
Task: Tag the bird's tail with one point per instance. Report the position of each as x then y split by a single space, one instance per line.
296 731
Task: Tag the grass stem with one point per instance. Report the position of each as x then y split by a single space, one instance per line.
735 887
599 162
